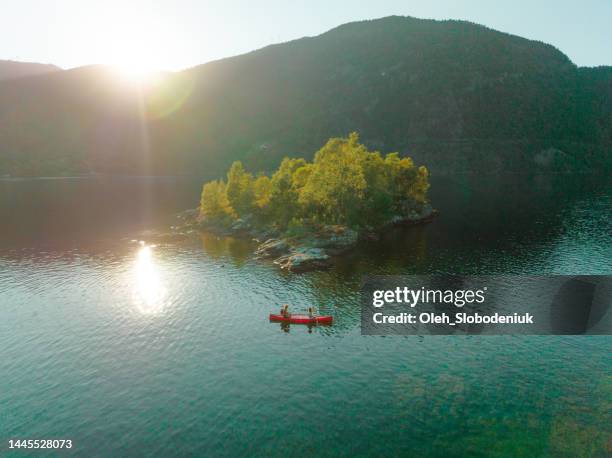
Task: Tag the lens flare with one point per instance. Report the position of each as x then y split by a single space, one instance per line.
169 96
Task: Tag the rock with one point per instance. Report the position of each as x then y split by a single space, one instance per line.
333 238
261 234
343 238
272 248
415 216
304 260
240 226
189 217
188 214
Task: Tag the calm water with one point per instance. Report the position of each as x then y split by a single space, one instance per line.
130 349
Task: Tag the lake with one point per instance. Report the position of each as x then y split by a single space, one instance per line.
128 348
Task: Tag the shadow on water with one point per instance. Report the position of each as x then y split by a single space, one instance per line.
303 328
239 251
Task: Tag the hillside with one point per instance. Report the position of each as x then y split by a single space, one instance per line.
454 95
10 69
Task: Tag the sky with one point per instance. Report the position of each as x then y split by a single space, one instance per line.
171 35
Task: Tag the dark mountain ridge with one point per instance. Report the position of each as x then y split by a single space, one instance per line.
454 95
10 69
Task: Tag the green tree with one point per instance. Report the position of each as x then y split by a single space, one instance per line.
284 195
378 198
345 184
240 192
214 204
420 186
262 189
336 185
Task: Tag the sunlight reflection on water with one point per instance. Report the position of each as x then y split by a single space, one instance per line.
149 291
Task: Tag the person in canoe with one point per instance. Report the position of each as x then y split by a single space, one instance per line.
285 310
310 312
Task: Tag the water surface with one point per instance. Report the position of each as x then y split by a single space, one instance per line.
128 348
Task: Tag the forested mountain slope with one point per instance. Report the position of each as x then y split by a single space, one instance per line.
454 95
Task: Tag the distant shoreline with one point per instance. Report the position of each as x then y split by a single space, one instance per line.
597 172
85 177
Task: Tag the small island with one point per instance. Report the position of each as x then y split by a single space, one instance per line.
306 213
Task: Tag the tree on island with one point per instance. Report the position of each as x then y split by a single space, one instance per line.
346 184
214 203
240 190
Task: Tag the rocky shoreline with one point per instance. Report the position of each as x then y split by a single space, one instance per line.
314 250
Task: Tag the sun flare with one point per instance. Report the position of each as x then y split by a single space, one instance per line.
137 72
149 292
136 42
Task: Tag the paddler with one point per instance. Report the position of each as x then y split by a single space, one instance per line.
310 312
285 310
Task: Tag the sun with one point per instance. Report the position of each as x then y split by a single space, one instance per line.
136 72
134 41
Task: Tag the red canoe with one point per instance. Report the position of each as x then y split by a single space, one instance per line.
302 319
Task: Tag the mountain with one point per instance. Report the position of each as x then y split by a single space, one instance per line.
454 95
10 69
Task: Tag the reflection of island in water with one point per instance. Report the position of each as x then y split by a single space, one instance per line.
487 225
236 249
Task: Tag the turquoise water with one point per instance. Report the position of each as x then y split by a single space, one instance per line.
128 348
